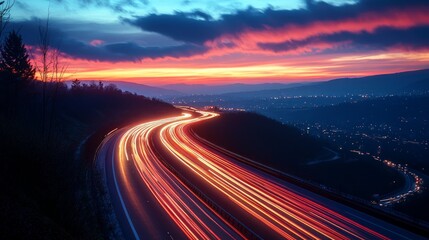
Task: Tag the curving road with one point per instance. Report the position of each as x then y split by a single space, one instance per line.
166 183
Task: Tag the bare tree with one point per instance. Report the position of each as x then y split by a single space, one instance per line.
52 74
58 71
5 7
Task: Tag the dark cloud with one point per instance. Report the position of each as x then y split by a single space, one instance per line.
77 48
185 27
288 45
127 51
186 34
186 2
179 27
383 38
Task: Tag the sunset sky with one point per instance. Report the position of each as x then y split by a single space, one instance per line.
228 41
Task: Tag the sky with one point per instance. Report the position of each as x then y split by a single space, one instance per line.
228 41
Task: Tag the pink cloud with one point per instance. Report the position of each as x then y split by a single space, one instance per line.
96 42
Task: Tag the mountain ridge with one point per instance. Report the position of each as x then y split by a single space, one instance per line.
378 85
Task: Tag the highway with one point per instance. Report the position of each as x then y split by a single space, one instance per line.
165 183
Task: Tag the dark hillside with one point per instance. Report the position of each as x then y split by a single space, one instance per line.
287 149
261 138
43 179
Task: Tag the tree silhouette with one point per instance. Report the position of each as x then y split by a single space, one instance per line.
5 7
15 61
75 85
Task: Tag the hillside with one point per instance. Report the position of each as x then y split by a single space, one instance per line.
180 90
378 85
287 149
139 89
259 137
47 152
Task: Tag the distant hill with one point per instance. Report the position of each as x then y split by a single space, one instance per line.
180 90
140 89
146 90
202 89
412 82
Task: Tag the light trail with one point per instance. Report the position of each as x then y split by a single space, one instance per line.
285 212
414 186
192 216
168 178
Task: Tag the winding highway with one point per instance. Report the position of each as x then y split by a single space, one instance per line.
167 183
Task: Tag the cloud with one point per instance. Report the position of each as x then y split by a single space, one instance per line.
383 38
365 25
97 49
127 51
180 27
414 38
96 42
203 30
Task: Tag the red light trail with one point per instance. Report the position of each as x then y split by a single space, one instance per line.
285 212
261 204
183 207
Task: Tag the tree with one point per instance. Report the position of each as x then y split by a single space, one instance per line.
15 61
5 7
76 85
52 73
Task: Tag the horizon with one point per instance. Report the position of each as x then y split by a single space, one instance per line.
229 42
243 83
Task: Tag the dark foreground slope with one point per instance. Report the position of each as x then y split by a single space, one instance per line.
260 138
45 132
287 149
